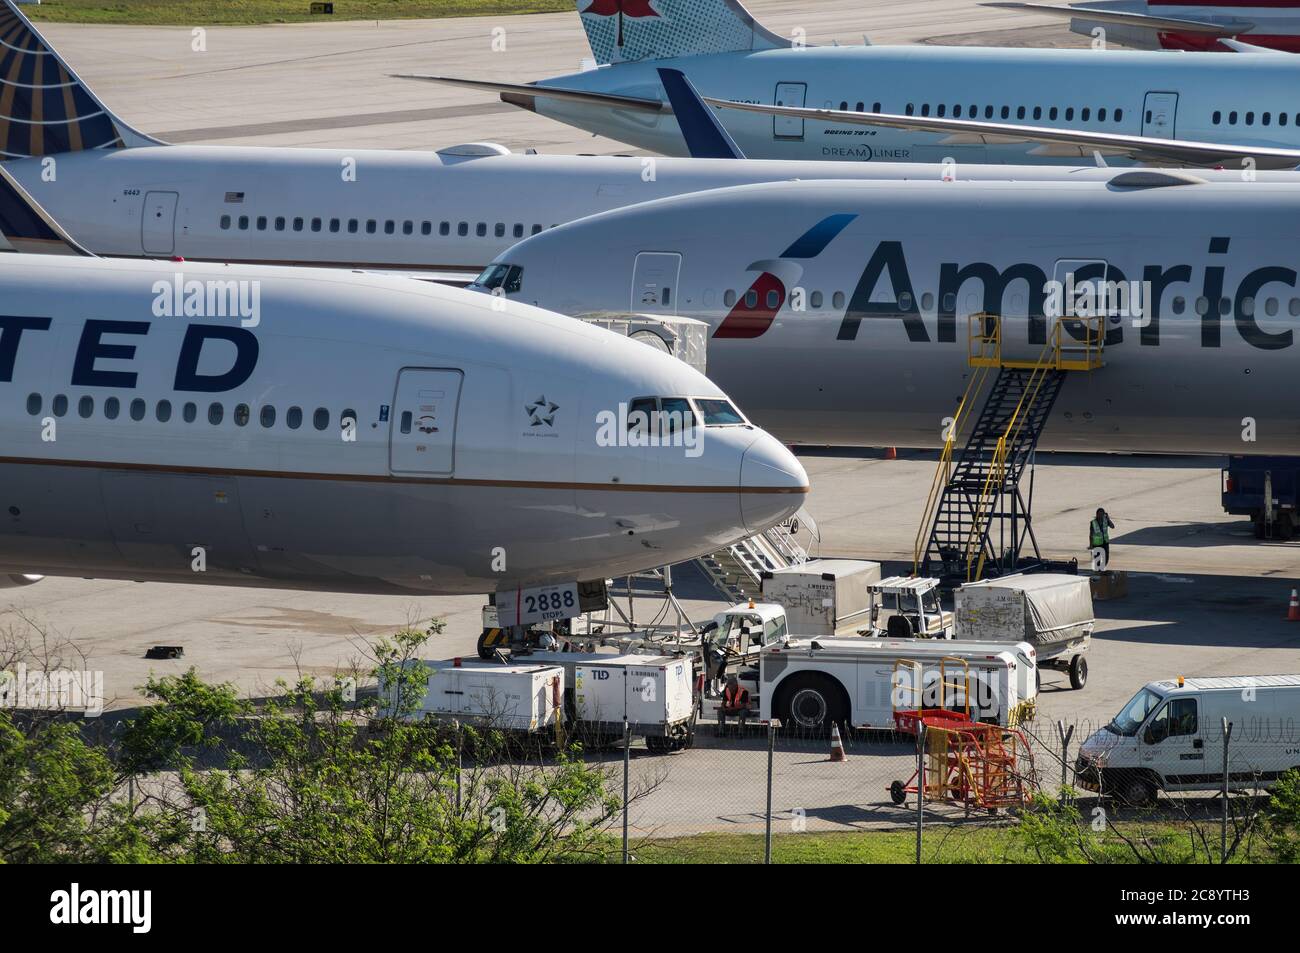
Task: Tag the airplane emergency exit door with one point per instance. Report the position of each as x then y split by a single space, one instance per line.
158 223
1159 115
789 94
422 428
654 282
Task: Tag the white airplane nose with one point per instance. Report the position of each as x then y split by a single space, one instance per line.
773 483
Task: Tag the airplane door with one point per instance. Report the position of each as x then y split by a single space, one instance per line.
654 282
422 428
158 223
1158 115
789 94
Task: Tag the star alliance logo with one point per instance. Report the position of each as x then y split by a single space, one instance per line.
541 411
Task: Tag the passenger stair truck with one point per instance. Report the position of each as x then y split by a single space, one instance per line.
811 683
1050 611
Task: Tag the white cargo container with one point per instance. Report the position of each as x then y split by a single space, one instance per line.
823 596
1051 611
810 683
1169 737
656 692
517 697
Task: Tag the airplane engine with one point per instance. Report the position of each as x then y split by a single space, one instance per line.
17 579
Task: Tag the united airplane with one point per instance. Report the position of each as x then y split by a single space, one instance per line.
312 429
1196 109
839 311
440 215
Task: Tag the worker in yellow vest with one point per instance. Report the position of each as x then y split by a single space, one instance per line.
1099 535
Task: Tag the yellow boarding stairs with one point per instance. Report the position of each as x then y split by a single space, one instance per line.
977 491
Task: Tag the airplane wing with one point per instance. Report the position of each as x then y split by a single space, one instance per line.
29 228
706 138
526 94
1060 142
1144 20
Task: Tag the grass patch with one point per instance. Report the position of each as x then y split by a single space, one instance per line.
210 13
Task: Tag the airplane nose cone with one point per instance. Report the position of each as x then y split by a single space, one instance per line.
773 484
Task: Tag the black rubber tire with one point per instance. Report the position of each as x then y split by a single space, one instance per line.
1137 791
811 701
898 792
485 652
1078 672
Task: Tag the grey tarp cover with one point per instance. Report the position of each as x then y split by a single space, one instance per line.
1042 609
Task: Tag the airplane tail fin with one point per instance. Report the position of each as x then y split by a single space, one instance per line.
29 228
621 31
45 108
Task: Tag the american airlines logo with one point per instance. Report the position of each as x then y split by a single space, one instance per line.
886 291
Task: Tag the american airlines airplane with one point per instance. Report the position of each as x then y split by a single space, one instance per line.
1195 109
442 215
1212 25
839 310
311 429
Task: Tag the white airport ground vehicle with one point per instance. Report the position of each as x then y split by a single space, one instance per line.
904 607
1051 611
811 683
1169 737
823 596
655 692
524 697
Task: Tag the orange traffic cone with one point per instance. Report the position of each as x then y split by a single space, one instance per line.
891 453
837 746
1293 611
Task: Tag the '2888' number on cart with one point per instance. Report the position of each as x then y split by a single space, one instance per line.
549 602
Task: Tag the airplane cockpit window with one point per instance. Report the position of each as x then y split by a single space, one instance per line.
719 412
509 278
640 412
678 416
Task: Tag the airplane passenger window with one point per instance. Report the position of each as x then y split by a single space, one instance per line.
321 419
353 224
297 224
163 412
33 404
1281 119
279 223
1119 115
815 299
242 414
728 298
837 300
751 299
537 229
910 109
1051 113
875 107
1179 304
1266 119
481 229
334 224
773 299
1202 305
1069 114
462 229
519 230
137 409
1038 112
261 223
243 223
718 412
1225 306
293 418
1294 307
973 111
988 112
1250 118
60 405
861 106
444 228
348 415
1248 306
426 228
112 407
1270 307
1101 114
941 110
389 227
925 109
190 412
225 221
408 227
500 230
267 416
371 226
927 301
843 106
1085 113
216 413
85 407
950 302
905 301
315 224
1232 118
956 111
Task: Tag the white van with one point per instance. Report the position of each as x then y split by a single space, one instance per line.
1169 737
